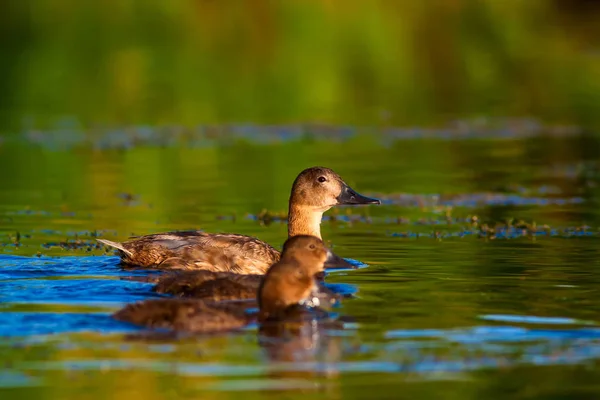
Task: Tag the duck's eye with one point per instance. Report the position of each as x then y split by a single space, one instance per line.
321 179
312 247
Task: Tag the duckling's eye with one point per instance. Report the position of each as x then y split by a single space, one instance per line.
321 179
312 247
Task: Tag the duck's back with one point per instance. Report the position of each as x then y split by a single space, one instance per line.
198 250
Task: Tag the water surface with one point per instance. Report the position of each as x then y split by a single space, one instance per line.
483 274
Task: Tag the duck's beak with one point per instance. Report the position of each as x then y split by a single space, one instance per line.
334 261
349 196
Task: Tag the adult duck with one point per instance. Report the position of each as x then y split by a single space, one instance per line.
285 289
314 191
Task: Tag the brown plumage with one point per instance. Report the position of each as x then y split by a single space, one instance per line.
287 284
219 286
210 285
198 250
314 191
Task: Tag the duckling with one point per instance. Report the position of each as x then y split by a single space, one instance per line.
219 286
314 191
209 285
285 288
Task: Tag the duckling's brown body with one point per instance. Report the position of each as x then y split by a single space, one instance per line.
220 286
314 191
286 285
209 285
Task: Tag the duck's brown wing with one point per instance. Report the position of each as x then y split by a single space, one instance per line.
216 286
184 315
199 250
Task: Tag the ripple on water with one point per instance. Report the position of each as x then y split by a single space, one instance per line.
49 295
70 290
23 267
11 379
465 349
484 334
531 319
48 323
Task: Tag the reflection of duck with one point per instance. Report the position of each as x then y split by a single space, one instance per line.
302 341
304 346
287 285
314 191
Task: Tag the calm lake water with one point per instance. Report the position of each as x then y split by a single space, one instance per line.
483 277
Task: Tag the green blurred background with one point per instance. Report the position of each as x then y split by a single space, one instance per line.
331 61
139 77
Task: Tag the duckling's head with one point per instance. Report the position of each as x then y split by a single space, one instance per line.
321 188
309 252
292 280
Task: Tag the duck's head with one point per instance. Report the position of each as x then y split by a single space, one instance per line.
321 188
292 280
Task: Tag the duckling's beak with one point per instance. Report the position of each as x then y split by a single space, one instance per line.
349 196
334 261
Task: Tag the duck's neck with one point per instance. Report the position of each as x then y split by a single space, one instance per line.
304 220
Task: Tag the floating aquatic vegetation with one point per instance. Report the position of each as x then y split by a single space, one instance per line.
129 199
449 226
230 217
460 226
266 217
473 200
77 244
504 231
206 135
